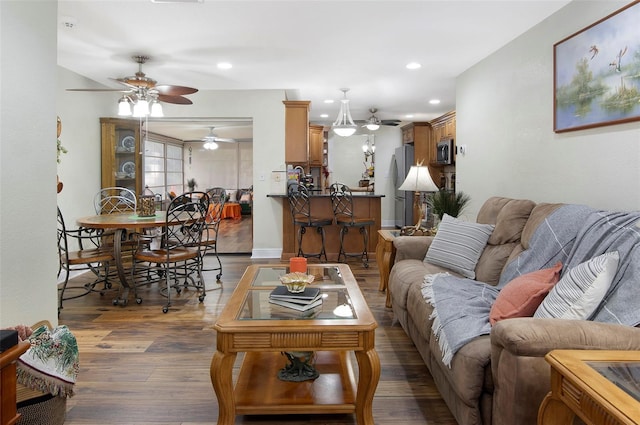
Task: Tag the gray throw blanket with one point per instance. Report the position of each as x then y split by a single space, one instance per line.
572 234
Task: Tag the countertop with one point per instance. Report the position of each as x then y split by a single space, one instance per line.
325 194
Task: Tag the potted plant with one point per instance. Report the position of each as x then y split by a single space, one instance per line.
191 183
446 202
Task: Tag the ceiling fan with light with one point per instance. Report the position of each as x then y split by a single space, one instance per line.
144 93
373 123
211 140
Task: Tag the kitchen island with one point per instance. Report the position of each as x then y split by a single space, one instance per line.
365 204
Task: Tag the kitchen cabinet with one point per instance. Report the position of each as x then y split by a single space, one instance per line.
419 134
121 158
444 126
296 135
316 145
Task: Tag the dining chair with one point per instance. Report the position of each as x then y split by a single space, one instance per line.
178 256
89 255
115 199
209 241
342 204
300 205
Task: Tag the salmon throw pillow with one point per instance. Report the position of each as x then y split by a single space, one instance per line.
522 296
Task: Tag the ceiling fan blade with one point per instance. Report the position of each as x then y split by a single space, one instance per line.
170 90
107 90
179 100
392 123
123 82
224 140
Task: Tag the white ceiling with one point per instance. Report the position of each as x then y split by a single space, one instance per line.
310 48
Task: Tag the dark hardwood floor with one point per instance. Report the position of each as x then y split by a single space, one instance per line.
140 366
235 236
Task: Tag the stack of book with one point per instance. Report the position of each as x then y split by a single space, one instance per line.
301 301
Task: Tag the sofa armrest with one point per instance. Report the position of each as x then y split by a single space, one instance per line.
411 247
536 337
521 376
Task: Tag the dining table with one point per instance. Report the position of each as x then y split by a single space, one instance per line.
126 226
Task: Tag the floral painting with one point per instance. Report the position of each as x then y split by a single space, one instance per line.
597 73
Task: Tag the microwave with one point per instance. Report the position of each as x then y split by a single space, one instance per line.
444 151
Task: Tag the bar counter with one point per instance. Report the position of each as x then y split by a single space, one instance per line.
365 204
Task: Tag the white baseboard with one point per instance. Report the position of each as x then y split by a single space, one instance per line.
258 253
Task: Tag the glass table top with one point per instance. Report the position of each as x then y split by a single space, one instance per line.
625 375
336 303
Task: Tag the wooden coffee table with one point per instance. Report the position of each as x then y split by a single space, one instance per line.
263 331
602 387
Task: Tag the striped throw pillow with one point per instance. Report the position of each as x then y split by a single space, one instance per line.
580 290
458 245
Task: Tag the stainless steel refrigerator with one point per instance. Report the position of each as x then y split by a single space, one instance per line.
403 160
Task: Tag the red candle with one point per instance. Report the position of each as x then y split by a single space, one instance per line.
298 264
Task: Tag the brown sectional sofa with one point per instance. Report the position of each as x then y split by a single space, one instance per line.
501 378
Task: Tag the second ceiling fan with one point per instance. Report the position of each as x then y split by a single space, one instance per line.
211 140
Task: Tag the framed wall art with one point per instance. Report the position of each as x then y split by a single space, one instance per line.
597 73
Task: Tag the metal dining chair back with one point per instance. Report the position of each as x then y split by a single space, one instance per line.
111 200
217 192
209 242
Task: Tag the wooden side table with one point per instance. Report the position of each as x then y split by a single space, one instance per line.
385 256
600 386
8 412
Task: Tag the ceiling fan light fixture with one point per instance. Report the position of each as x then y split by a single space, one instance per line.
156 109
124 107
344 125
141 108
372 126
210 146
372 123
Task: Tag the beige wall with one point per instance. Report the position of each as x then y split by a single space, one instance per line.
28 262
505 117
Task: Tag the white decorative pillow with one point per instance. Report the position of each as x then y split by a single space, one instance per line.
579 292
458 245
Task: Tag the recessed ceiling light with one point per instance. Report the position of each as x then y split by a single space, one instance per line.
324 115
434 101
409 116
413 65
224 65
177 1
328 101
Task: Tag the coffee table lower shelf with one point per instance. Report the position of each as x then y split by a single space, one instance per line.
259 391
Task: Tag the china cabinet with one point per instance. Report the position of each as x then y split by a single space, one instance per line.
121 159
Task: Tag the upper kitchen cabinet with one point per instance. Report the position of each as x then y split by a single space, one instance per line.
419 134
121 159
444 127
296 136
316 145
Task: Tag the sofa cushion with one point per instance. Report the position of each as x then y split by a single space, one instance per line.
522 296
458 245
405 274
509 217
580 291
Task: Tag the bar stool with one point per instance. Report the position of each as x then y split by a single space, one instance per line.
300 204
342 203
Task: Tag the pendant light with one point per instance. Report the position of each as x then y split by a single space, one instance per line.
344 125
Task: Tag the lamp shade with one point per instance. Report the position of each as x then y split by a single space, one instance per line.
419 180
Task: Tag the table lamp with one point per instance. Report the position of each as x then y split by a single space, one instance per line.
418 180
